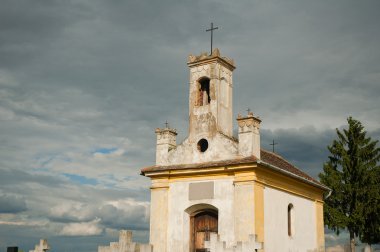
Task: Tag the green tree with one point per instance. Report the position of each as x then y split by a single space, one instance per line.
371 230
352 172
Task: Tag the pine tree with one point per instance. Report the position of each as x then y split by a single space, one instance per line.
352 172
371 230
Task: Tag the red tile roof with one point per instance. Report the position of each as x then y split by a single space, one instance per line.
279 162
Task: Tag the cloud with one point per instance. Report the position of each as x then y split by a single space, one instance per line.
11 204
305 147
125 215
108 153
82 229
23 223
7 79
73 211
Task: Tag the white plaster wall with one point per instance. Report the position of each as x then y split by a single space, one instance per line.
246 144
249 137
179 220
276 222
221 110
224 96
244 211
219 148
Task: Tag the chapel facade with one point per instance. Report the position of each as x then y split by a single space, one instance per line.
215 192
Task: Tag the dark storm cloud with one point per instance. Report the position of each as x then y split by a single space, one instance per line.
13 178
304 147
134 217
29 27
11 204
79 76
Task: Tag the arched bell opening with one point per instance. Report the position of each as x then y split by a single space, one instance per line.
203 92
203 223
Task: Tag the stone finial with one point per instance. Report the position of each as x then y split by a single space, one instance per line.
215 53
249 135
249 120
191 58
125 236
166 141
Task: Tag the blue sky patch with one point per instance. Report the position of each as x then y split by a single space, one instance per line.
81 179
105 150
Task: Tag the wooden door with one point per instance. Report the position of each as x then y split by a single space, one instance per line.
203 224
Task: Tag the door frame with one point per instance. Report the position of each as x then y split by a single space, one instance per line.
212 210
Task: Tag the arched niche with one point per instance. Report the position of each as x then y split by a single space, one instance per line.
290 220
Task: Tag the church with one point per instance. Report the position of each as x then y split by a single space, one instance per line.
218 192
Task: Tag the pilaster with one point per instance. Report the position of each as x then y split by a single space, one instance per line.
159 214
259 212
244 206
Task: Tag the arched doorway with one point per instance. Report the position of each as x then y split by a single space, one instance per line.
202 224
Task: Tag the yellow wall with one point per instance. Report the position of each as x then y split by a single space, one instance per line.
320 226
250 182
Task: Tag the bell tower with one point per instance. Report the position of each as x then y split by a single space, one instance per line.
210 98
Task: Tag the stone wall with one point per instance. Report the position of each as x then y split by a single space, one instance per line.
215 245
125 244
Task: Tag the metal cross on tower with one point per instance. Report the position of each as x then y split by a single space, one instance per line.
166 124
248 110
211 30
273 144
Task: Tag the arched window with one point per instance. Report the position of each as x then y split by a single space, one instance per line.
290 220
203 91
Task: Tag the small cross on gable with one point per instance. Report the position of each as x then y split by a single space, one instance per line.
273 144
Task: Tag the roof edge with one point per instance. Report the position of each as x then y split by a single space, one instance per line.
319 185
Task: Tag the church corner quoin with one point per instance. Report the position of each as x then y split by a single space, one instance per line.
215 192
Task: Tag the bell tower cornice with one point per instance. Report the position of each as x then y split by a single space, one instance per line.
205 59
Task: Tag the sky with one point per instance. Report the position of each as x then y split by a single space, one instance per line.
84 84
